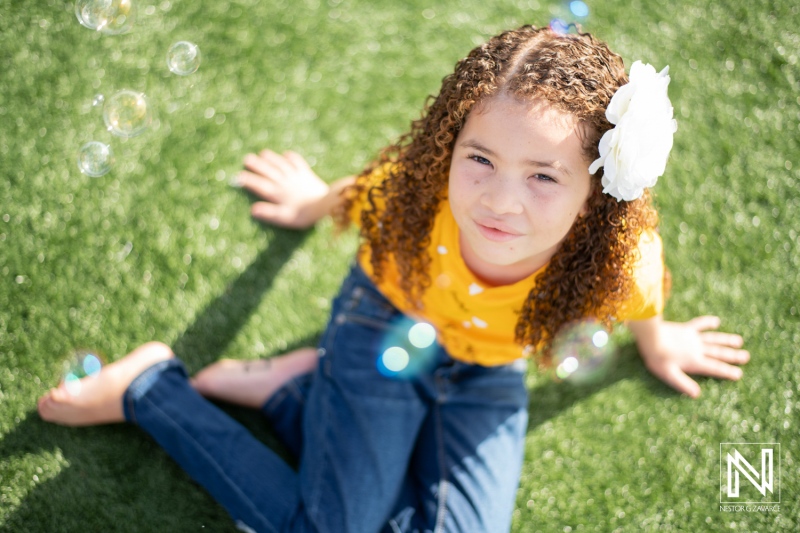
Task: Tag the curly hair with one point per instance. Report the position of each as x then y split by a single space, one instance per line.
591 273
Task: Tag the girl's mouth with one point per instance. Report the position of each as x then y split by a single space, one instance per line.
495 234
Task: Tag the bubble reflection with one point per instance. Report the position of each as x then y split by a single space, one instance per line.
408 348
83 364
578 8
583 353
562 27
421 335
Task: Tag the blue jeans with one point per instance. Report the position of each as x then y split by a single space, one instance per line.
437 449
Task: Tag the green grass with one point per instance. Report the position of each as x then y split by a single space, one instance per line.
162 248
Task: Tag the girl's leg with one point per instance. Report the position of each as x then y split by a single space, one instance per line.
149 387
285 410
467 461
257 488
278 386
359 426
252 383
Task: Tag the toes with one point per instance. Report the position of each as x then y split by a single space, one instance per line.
45 404
60 393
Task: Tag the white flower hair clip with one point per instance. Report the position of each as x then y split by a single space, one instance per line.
634 152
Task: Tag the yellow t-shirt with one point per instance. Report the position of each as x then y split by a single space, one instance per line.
475 323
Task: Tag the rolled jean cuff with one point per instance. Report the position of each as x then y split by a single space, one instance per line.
144 381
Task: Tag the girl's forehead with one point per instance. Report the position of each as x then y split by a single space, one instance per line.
534 108
534 111
537 110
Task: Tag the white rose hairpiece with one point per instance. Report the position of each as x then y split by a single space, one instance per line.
634 153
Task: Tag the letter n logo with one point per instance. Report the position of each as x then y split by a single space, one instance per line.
739 468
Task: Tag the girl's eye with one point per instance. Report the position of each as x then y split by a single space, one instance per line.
544 177
480 159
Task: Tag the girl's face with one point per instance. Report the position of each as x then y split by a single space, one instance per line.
518 180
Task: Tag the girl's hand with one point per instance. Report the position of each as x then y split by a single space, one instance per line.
671 350
294 196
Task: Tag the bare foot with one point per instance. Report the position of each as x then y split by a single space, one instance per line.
100 398
251 383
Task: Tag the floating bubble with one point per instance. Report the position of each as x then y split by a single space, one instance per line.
578 8
95 159
126 113
83 364
183 58
108 16
583 352
98 100
408 349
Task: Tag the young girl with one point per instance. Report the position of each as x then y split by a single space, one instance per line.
498 219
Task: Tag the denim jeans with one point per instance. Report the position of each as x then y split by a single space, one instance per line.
433 450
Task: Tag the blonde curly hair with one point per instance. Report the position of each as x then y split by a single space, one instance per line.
591 274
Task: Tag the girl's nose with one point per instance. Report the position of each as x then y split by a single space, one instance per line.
501 197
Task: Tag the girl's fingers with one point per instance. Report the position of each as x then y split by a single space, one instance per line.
261 166
705 322
723 339
297 160
676 378
258 185
727 355
714 368
272 213
277 161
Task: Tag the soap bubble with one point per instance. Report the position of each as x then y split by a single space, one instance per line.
108 16
95 159
126 113
183 58
83 364
98 100
408 348
583 352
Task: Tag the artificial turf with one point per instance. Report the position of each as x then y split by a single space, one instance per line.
163 248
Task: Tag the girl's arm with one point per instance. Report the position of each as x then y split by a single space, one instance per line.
671 350
294 196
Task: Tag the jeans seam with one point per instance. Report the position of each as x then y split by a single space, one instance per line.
134 392
274 401
131 410
366 321
441 504
211 460
294 390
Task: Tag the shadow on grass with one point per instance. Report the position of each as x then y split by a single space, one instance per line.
549 399
213 330
115 478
